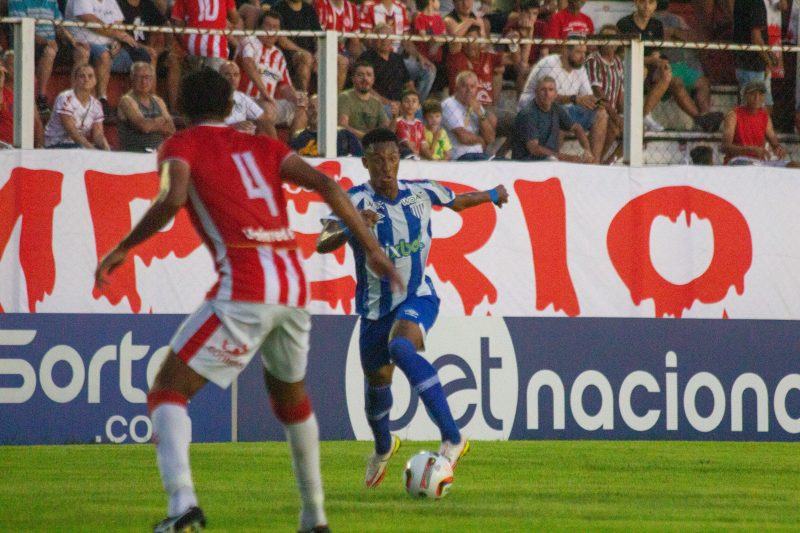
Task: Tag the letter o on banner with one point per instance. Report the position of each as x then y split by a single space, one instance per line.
709 381
628 244
789 424
69 355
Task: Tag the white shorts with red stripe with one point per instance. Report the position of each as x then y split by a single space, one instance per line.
219 339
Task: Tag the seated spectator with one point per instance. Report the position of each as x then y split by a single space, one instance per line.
391 75
300 52
568 22
471 128
246 114
538 126
195 50
746 129
304 142
394 15
642 24
488 67
461 19
77 117
143 121
359 109
702 155
109 50
436 138
684 63
267 76
342 16
607 76
574 92
409 129
46 42
145 13
521 24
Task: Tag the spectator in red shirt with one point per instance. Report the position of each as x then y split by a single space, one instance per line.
747 127
567 22
522 24
6 110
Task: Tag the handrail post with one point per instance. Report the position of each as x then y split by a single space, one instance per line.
23 82
327 85
633 134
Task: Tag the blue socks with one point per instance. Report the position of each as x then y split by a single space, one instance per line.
378 403
425 380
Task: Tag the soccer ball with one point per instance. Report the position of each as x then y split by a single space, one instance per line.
428 475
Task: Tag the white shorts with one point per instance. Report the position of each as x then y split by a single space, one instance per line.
219 339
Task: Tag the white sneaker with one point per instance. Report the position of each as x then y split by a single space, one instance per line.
454 452
377 464
651 124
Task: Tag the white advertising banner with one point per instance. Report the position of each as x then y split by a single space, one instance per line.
574 240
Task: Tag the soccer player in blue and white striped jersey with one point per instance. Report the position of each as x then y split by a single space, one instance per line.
393 325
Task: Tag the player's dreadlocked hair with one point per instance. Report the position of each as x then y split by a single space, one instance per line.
378 135
204 93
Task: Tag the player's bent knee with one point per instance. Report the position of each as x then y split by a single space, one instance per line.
291 413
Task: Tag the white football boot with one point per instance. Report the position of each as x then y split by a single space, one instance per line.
377 464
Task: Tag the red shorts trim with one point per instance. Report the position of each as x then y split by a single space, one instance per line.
156 398
199 338
292 414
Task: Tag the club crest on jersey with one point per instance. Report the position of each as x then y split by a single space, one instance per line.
404 249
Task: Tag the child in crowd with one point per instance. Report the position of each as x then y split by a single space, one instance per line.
409 129
428 21
436 139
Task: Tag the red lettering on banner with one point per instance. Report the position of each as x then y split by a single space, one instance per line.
544 208
335 291
32 196
303 198
448 255
629 248
307 243
110 196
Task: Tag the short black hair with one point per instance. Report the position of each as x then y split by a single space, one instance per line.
204 93
271 14
529 4
702 155
422 4
378 135
431 105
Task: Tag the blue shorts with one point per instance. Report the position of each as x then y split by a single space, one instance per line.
581 115
121 62
374 336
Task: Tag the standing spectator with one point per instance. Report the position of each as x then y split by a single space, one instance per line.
537 128
409 129
460 20
747 127
750 27
395 15
246 114
342 16
109 50
391 75
77 117
488 67
437 139
471 128
521 24
46 42
359 109
300 52
198 50
642 23
607 76
267 74
304 141
143 121
428 21
568 22
574 92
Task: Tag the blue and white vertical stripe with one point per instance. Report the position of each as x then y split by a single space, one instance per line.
404 232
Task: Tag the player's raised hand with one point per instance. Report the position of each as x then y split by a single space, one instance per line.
502 195
379 263
109 264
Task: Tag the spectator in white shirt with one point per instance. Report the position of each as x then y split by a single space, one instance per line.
77 118
246 114
470 127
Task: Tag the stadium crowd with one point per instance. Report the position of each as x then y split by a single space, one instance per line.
445 101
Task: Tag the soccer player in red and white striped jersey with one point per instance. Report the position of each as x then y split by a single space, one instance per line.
231 184
206 14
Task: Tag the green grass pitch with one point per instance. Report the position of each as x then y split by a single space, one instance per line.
499 487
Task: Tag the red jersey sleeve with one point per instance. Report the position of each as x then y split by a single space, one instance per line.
174 148
179 10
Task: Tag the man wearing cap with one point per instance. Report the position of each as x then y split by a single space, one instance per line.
746 128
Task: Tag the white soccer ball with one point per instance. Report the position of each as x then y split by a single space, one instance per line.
428 475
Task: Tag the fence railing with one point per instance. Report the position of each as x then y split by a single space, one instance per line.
634 70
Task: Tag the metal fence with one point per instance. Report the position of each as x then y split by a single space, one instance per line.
639 143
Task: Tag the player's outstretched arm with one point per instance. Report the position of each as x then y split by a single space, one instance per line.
297 171
498 196
173 194
334 234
